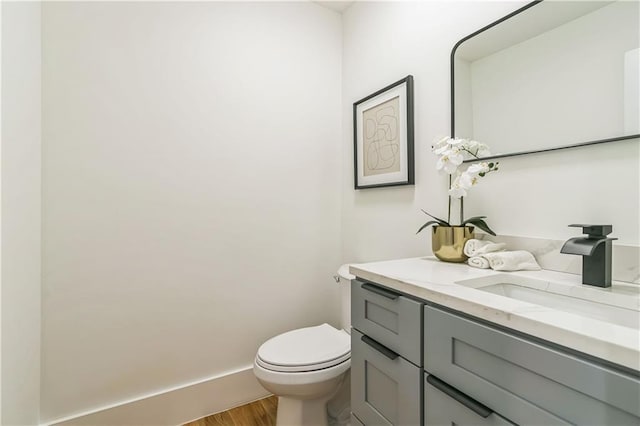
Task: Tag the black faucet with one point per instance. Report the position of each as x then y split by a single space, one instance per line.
595 250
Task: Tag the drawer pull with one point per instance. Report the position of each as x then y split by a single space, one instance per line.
467 401
380 348
380 291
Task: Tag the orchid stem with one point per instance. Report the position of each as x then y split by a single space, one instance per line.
475 155
449 210
461 209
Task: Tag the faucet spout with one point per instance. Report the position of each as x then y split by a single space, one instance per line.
583 246
595 250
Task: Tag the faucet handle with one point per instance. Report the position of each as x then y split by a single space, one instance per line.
594 231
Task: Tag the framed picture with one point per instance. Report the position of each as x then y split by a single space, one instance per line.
383 137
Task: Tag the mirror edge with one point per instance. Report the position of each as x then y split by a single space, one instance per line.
556 148
518 153
473 34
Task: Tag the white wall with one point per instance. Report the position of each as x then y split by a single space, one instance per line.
191 201
409 38
0 215
20 213
534 196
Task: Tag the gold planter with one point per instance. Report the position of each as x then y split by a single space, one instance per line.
448 242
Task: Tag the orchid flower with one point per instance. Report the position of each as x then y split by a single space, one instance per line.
451 153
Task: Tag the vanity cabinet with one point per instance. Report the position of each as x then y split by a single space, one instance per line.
385 387
442 408
386 355
471 372
389 318
524 381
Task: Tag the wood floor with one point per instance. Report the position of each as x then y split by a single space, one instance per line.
258 413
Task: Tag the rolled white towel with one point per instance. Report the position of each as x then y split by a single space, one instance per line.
475 247
478 262
519 260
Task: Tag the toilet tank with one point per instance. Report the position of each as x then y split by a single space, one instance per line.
344 281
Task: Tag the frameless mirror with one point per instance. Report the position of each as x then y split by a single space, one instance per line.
551 75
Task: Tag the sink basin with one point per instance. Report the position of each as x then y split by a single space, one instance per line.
616 305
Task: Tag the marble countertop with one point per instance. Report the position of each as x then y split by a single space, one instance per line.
436 281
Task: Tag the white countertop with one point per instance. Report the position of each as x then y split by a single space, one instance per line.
436 281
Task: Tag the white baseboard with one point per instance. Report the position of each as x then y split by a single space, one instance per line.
178 405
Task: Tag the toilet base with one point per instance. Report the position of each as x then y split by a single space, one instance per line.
300 412
309 412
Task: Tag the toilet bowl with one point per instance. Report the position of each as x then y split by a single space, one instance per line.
306 367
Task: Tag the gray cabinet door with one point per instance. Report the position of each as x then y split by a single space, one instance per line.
384 391
526 382
441 409
389 318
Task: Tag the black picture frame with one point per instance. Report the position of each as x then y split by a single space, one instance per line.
383 137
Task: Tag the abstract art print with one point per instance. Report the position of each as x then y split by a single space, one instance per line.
383 137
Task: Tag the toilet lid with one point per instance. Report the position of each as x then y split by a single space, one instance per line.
305 349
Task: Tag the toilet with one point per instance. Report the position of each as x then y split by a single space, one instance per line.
307 367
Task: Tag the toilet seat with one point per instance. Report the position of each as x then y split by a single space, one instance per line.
305 349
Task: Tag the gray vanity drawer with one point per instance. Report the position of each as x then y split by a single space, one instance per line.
384 391
524 381
441 409
389 318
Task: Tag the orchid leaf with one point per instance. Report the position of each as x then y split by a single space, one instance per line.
440 221
431 222
481 224
472 219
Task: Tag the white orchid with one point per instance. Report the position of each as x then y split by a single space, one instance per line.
476 169
451 153
442 142
467 180
439 150
449 161
463 182
457 190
